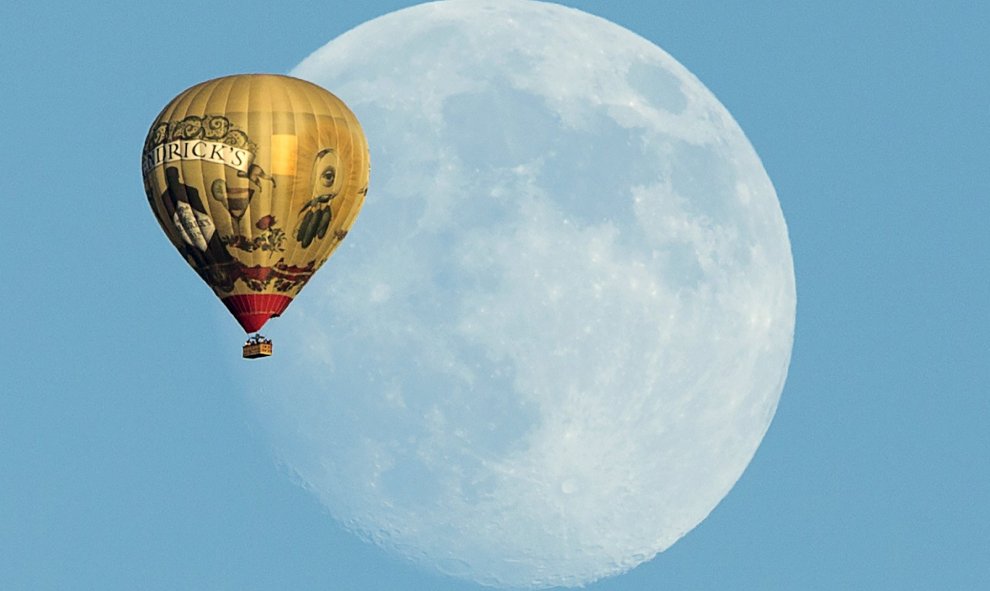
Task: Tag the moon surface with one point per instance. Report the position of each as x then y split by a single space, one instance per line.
559 330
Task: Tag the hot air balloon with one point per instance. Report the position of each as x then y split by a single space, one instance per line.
255 179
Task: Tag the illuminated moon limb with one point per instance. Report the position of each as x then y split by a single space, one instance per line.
561 329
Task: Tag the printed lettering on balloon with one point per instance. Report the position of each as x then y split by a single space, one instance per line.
210 137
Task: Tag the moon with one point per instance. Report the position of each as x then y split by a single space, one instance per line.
559 330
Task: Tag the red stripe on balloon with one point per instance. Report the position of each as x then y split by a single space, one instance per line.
252 311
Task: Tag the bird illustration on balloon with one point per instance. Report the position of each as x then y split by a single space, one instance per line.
318 210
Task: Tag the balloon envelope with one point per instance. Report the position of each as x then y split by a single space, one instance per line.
255 179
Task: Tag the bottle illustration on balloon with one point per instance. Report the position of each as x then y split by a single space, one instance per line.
256 195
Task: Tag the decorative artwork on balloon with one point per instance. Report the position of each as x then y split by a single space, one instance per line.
318 211
271 239
255 195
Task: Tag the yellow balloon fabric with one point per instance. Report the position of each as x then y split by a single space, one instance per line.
256 179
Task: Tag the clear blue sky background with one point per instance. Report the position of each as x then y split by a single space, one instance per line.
130 459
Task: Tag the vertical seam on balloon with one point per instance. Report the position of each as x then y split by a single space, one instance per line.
249 80
290 218
364 174
252 83
227 85
192 98
215 102
286 104
359 176
267 90
206 198
337 222
154 201
293 201
306 96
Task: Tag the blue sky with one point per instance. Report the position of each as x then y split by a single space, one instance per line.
130 459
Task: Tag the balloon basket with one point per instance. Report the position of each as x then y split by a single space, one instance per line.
257 346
